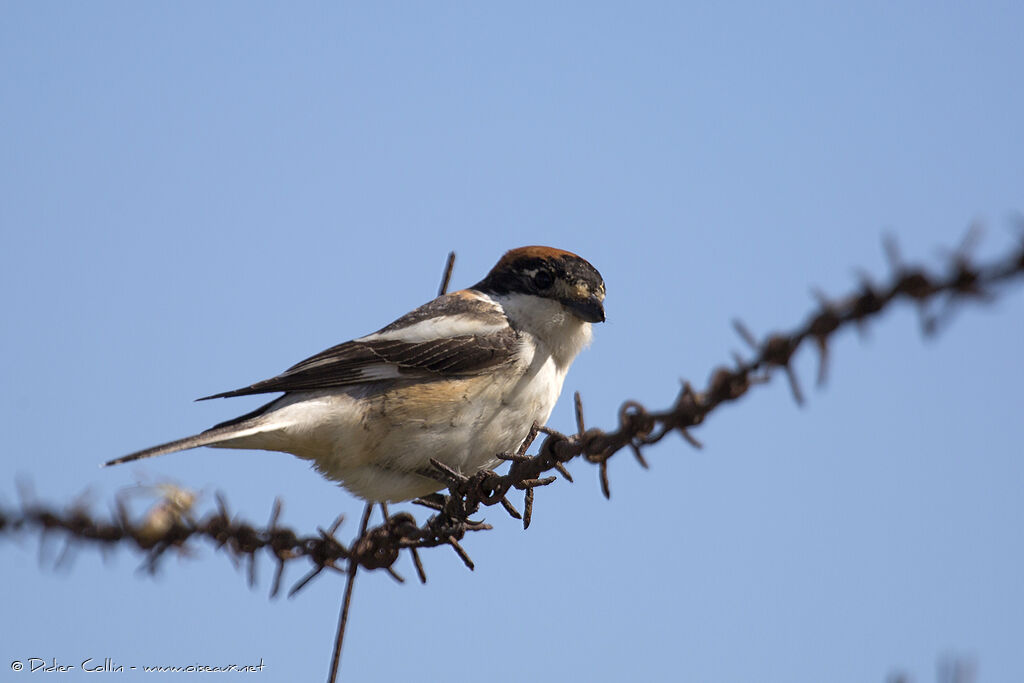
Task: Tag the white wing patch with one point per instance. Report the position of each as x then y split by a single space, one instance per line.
444 326
379 372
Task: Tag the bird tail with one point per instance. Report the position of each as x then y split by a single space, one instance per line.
218 435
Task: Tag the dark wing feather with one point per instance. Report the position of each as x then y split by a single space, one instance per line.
358 362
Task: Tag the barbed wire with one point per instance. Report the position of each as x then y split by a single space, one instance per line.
170 523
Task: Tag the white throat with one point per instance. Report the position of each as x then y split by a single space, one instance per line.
550 323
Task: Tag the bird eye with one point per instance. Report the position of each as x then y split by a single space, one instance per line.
543 279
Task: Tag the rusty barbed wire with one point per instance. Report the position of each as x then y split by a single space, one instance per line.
171 525
163 529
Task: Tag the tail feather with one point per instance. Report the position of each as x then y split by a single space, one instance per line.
211 437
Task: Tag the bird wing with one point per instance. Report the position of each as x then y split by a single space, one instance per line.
452 336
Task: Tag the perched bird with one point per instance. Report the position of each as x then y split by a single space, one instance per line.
460 379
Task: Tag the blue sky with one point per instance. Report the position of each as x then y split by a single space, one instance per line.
195 196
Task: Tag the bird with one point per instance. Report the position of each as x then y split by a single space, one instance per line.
461 379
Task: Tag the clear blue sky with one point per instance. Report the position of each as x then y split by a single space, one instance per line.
194 196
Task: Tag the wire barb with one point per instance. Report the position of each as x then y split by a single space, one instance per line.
353 567
446 277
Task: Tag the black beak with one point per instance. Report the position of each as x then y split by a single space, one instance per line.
590 309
